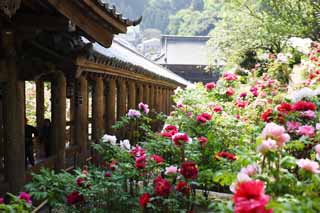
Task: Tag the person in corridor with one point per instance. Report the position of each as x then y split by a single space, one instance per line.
30 133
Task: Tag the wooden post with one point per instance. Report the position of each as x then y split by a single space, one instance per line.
158 99
81 118
165 98
152 97
58 99
110 105
14 116
146 94
132 104
121 99
40 103
140 93
98 110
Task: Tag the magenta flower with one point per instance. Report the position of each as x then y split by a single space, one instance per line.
25 196
1 200
180 138
210 86
309 166
292 126
144 107
228 76
306 130
309 114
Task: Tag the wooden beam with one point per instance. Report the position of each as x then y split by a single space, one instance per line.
59 119
14 116
80 17
110 105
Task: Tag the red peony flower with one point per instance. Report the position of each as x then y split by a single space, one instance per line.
144 199
74 197
304 106
250 198
137 151
161 186
157 159
203 141
183 187
180 138
284 108
210 86
267 115
141 162
189 170
169 130
230 91
167 134
217 108
204 117
26 197
227 155
107 174
80 181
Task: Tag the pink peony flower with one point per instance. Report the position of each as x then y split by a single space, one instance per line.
309 166
141 162
292 126
210 86
306 130
267 145
25 196
180 138
179 105
171 170
230 91
317 148
275 132
217 108
144 107
1 200
250 170
204 117
134 113
241 104
228 76
318 126
309 114
203 141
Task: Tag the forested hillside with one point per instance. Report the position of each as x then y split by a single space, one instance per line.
183 17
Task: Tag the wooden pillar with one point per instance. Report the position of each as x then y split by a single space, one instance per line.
132 96
110 105
81 118
14 116
140 93
40 103
152 97
121 98
157 99
98 110
146 94
59 99
165 100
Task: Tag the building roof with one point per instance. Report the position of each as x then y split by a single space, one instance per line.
184 50
120 55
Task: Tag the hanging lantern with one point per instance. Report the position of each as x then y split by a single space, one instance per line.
10 7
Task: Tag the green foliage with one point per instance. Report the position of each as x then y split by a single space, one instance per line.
15 205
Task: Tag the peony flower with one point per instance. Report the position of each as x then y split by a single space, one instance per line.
304 106
250 170
292 126
318 126
284 108
171 170
109 138
254 91
249 197
112 165
309 166
228 76
210 86
267 145
74 197
161 186
217 108
203 141
141 162
189 170
144 199
317 148
309 114
179 105
169 130
243 95
134 113
26 197
143 107
125 144
183 187
267 115
180 138
80 181
1 200
306 130
107 174
137 151
226 155
275 132
158 159
241 104
230 91
282 58
204 117
302 93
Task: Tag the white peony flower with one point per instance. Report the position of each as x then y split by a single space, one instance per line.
109 138
301 44
125 144
302 93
